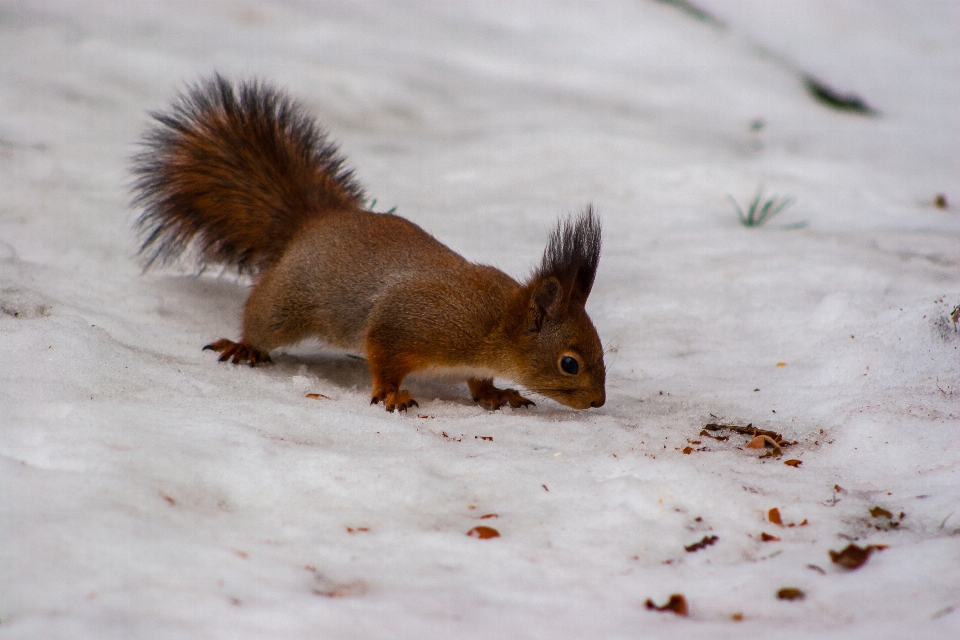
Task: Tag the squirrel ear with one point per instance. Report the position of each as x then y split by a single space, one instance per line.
572 255
546 302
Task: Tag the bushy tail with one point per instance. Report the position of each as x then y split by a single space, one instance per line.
236 173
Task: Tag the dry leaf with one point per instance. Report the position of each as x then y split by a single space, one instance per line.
705 542
877 512
317 396
484 533
854 557
677 603
737 617
687 450
791 593
781 364
793 463
774 516
766 537
489 515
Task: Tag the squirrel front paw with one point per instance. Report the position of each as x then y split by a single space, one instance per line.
238 352
394 400
492 398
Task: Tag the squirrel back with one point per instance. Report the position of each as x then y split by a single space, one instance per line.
250 181
236 172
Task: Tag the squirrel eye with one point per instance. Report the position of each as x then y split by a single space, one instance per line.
570 365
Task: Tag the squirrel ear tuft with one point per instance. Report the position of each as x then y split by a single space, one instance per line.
572 256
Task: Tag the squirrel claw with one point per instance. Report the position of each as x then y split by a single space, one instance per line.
237 352
395 400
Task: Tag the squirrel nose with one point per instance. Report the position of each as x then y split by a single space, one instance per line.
599 401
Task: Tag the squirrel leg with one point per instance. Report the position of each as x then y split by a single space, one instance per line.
493 398
238 352
389 370
267 323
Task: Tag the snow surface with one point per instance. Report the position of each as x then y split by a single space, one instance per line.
148 492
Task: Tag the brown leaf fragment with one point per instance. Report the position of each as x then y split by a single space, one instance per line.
761 441
791 593
677 603
317 396
168 499
854 557
774 516
737 617
851 557
687 451
749 430
793 463
487 438
713 426
942 612
706 434
353 589
878 512
940 202
817 569
484 533
488 516
766 537
702 544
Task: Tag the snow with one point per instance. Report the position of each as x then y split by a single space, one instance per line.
148 492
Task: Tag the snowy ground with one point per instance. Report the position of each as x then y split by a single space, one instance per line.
148 492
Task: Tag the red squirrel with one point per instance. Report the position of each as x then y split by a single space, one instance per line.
244 176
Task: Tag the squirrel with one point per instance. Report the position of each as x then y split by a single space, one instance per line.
246 178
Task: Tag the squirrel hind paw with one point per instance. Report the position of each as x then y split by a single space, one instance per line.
238 352
394 400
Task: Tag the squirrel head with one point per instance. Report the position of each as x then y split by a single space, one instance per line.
561 354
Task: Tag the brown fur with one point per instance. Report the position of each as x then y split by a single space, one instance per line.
247 178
